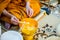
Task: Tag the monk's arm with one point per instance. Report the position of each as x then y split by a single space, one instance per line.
6 13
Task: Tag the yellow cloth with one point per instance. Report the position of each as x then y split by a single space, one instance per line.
28 37
18 8
28 28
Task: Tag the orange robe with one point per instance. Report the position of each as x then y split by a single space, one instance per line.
18 9
3 4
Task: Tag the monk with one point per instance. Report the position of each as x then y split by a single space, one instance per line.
3 5
20 9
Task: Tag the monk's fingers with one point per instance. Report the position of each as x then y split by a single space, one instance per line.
27 11
31 12
14 20
15 23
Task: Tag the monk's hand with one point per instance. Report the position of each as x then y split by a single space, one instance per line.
29 10
14 20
